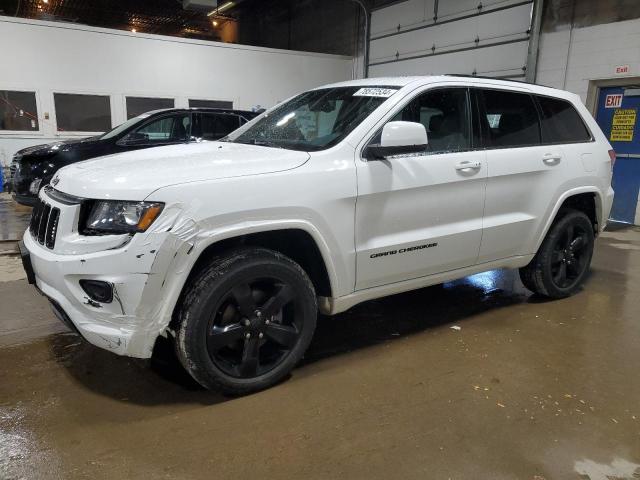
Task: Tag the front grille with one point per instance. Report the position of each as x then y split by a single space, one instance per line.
13 168
44 223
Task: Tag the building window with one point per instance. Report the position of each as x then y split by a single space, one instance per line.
139 105
82 113
194 103
18 111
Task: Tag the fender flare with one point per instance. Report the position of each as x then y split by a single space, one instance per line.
207 238
248 228
561 199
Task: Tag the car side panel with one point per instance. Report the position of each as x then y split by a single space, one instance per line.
318 197
520 189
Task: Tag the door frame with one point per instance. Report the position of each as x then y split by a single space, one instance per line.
593 92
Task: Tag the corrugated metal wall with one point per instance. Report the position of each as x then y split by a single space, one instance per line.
419 37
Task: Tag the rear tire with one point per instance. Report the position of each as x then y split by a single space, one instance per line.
562 262
246 321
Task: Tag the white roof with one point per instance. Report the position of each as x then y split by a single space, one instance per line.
383 81
469 80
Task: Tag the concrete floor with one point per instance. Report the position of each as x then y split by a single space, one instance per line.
524 389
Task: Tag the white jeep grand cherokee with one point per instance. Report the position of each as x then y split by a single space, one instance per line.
342 194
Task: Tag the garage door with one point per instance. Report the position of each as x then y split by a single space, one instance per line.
474 37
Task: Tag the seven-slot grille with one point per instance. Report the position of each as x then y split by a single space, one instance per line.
44 223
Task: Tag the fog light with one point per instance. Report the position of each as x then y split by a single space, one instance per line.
97 290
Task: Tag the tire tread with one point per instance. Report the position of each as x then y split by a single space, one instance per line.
533 275
219 266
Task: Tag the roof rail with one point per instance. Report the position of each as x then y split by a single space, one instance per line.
466 75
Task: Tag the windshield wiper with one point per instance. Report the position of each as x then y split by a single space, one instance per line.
262 143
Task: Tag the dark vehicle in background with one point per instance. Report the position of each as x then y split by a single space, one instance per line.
32 168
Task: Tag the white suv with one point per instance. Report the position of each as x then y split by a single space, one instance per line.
342 194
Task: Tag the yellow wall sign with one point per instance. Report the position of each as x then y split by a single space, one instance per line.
624 122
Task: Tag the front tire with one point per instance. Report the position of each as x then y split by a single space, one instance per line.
562 262
246 321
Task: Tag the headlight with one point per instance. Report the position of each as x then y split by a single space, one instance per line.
116 217
35 186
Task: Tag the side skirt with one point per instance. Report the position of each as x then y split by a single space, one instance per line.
335 305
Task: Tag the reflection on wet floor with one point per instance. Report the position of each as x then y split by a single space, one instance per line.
14 218
525 389
619 468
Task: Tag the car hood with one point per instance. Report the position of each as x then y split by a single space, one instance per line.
134 175
56 147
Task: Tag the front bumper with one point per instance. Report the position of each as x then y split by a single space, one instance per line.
31 278
28 200
136 267
125 326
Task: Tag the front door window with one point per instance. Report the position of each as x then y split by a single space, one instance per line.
165 130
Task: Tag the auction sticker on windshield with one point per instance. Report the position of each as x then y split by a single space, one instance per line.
375 92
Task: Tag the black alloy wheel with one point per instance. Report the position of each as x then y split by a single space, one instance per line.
562 262
245 321
254 328
570 256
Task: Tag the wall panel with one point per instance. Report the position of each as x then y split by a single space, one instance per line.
415 37
48 57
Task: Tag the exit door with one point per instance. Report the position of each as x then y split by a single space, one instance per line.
617 115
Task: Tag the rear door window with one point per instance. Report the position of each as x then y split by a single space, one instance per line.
214 126
511 119
561 123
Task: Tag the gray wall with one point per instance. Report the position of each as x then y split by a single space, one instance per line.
561 14
583 41
310 25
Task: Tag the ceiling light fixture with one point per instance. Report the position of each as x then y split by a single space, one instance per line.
215 23
133 30
220 9
45 1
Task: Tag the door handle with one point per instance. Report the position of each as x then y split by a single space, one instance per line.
468 166
551 159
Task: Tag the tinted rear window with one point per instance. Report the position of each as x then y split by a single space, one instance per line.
561 123
511 118
215 126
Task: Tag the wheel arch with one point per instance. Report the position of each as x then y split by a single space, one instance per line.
298 241
586 199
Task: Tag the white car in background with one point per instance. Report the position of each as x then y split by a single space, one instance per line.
339 195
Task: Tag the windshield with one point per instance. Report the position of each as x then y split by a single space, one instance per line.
314 120
123 127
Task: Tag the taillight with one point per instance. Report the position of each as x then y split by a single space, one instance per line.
612 156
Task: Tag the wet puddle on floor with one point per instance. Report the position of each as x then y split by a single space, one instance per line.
618 469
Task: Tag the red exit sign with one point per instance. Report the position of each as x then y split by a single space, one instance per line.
613 101
620 69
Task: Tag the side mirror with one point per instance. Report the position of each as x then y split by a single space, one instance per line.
134 138
397 138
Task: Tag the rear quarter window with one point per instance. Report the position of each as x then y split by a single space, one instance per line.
561 123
